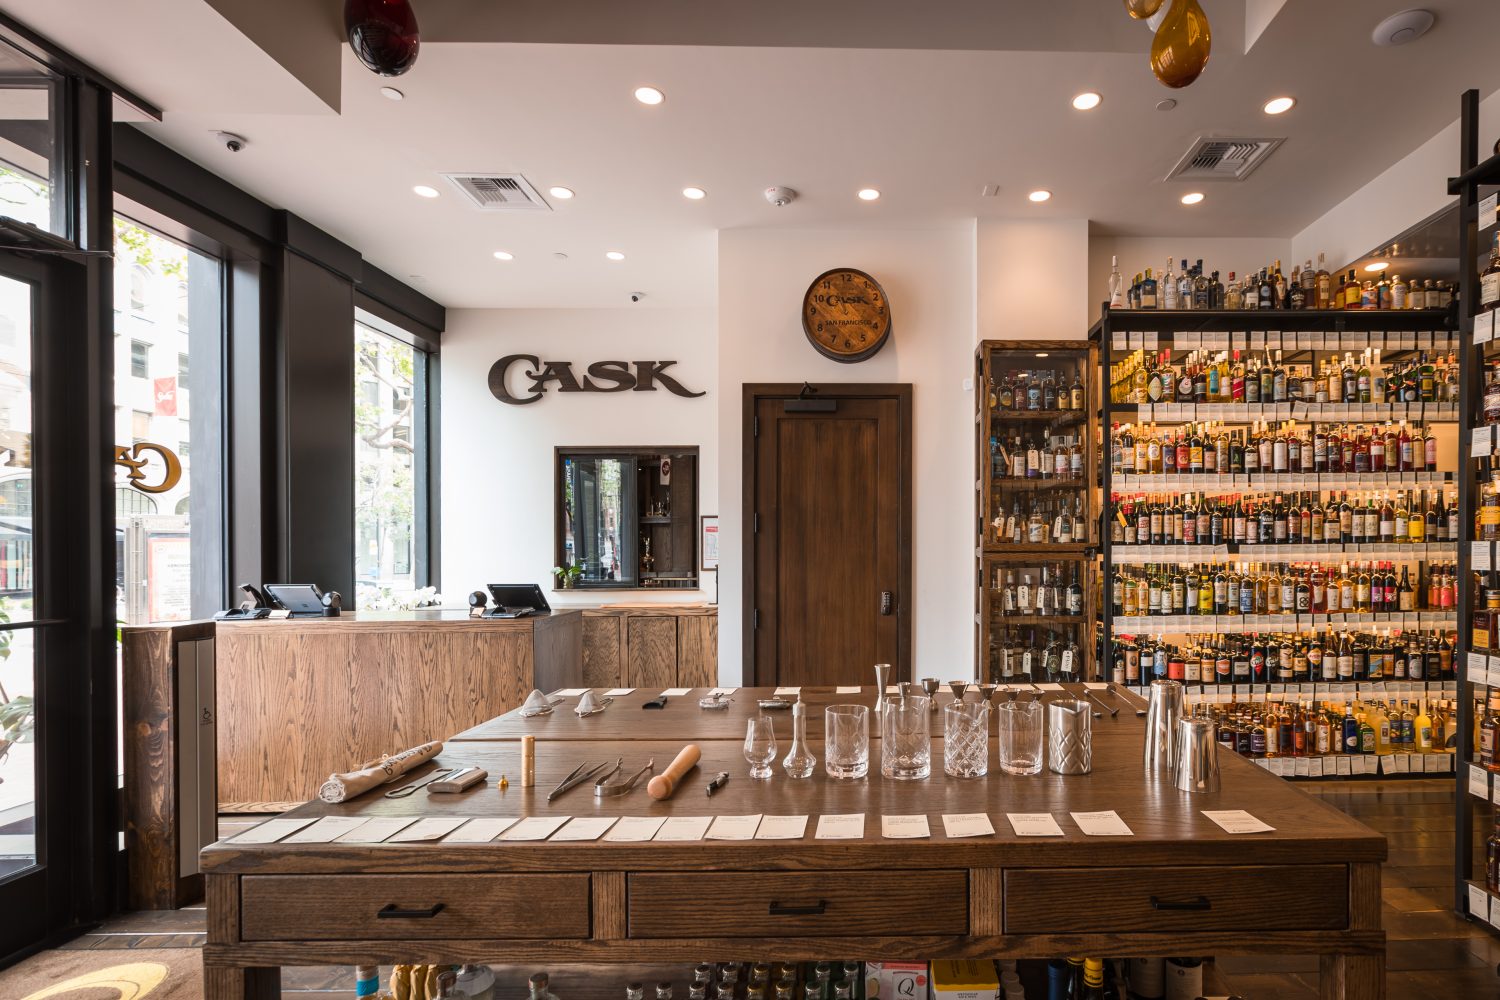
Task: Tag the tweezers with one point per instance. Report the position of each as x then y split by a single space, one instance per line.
579 776
604 787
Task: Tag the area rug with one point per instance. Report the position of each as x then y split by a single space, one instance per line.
114 974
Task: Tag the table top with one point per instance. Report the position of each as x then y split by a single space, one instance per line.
1168 825
681 718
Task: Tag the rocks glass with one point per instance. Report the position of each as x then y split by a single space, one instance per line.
966 739
1020 736
846 739
906 739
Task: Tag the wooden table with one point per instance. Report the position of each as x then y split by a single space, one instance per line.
1179 886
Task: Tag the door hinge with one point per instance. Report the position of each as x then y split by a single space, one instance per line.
755 618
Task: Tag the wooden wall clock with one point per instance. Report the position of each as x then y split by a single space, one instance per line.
846 315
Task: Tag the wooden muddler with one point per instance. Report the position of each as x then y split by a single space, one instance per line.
663 785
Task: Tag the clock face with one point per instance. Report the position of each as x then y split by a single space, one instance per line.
846 315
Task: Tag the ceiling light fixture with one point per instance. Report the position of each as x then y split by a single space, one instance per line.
694 194
1379 265
649 95
614 255
1041 354
1279 105
424 191
504 255
392 94
561 192
1086 101
1406 26
1040 196
1192 197
868 194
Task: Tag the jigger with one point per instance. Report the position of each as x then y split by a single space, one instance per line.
958 688
931 686
1162 715
1197 755
882 674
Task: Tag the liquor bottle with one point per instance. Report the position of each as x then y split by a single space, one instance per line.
1353 292
1489 279
1148 292
1116 285
1168 287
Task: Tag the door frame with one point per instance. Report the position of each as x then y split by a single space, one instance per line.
753 393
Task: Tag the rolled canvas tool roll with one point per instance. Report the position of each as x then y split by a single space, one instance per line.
340 787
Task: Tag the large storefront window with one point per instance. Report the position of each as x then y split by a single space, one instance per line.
388 397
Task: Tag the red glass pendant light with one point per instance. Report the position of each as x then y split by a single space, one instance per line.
383 34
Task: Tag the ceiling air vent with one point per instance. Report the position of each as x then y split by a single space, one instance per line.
1222 159
499 192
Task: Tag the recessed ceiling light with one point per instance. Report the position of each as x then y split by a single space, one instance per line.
1279 105
559 255
614 255
1041 354
868 194
1192 197
561 192
694 194
1086 101
1379 265
504 255
424 191
649 95
391 94
1039 196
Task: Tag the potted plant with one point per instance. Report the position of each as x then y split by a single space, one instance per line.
567 576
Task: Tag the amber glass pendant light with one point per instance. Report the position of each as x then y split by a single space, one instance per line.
1142 9
1180 49
383 34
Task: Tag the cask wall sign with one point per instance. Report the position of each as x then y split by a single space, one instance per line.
519 379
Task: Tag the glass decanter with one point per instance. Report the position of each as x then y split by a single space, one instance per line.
799 761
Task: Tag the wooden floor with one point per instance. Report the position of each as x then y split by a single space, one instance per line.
1431 952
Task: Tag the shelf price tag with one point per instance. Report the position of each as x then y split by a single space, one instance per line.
1479 903
1150 338
1119 340
1495 911
1486 217
1479 782
1257 339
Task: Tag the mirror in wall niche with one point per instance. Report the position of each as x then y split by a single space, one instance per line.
627 518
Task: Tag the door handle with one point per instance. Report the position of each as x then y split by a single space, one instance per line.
887 602
392 912
811 910
1201 903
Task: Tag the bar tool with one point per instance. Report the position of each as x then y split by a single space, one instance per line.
774 704
930 687
405 790
720 780
1070 736
1162 713
882 674
603 788
1108 708
589 705
715 700
958 688
459 780
660 701
987 692
528 761
580 775
536 704
1197 755
663 785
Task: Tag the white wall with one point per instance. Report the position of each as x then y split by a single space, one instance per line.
1027 279
1220 253
497 489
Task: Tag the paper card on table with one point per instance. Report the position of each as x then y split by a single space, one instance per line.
327 829
534 828
1034 825
1096 685
377 829
585 828
618 692
782 828
1049 687
968 825
853 689
722 692
431 828
272 830
891 689
634 829
481 830
1237 821
683 828
788 690
676 692
841 826
904 827
733 827
568 692
1479 903
1102 824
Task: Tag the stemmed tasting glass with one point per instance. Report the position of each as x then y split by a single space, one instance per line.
760 745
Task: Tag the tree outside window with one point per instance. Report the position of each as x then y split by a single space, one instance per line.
385 448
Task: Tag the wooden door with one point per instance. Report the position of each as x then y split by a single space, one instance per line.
828 498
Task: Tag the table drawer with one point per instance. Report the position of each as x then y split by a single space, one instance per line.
797 904
337 907
1121 900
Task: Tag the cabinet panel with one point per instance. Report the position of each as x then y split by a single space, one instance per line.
652 648
697 651
601 651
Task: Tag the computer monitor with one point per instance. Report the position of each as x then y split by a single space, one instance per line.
514 596
301 599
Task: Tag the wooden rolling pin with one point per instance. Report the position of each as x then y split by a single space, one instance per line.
663 785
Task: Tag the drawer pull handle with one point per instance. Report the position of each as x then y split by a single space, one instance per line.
783 910
1201 903
390 911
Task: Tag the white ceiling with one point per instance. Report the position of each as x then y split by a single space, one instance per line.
928 127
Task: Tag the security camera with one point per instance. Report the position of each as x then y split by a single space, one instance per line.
233 143
780 196
637 296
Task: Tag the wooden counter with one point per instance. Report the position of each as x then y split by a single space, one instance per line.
1179 886
300 699
639 645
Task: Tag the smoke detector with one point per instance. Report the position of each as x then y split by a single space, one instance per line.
780 196
1406 26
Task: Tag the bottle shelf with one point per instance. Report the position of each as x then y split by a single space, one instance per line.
1004 620
1060 417
1308 329
1052 550
1240 624
1297 481
1138 555
1245 413
1035 485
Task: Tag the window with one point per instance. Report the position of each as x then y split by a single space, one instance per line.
182 371
140 426
389 452
140 282
140 359
628 517
131 502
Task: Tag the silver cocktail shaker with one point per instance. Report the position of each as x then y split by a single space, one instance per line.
1197 755
1070 736
1161 725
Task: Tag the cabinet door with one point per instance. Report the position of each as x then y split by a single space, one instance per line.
697 651
601 651
652 645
